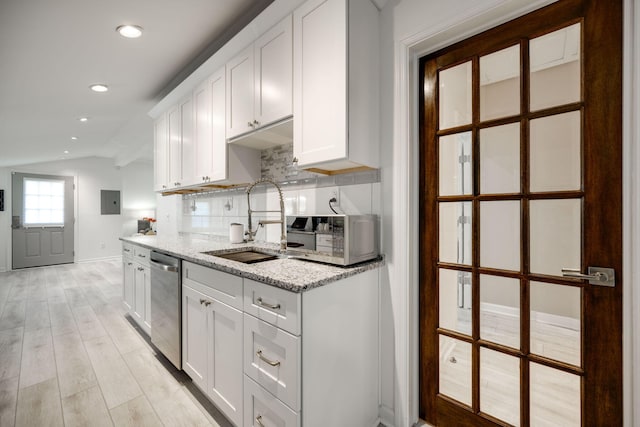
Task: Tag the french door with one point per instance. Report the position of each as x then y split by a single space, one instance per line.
521 222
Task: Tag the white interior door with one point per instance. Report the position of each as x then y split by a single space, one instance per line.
42 220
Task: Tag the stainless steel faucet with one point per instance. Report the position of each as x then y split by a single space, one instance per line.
250 233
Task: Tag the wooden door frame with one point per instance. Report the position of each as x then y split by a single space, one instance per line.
609 115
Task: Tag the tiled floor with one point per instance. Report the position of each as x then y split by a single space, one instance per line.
69 356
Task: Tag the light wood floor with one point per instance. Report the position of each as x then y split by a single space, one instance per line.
70 357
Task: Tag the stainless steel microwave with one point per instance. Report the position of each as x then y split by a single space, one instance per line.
334 239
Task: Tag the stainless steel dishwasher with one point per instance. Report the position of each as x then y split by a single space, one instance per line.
166 306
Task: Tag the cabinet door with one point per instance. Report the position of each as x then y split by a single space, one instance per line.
174 122
147 299
128 283
210 129
225 360
139 298
194 336
217 85
273 57
240 92
160 148
188 165
320 81
202 130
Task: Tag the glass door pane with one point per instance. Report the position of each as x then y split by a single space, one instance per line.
500 84
555 68
455 96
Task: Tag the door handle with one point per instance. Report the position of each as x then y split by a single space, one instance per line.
595 275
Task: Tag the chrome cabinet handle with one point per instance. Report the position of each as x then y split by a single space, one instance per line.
127 250
129 263
250 124
264 304
259 421
256 123
142 256
205 302
264 359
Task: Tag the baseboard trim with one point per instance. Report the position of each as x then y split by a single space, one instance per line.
387 416
108 258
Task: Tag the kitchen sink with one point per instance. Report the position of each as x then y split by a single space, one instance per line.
249 256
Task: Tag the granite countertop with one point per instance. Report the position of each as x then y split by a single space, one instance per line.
287 273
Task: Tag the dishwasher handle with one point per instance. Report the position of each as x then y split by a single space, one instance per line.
164 267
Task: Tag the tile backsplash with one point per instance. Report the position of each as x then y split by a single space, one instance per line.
304 193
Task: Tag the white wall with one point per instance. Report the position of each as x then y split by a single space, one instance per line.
138 197
96 235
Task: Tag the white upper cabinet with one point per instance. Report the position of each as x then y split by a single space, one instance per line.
181 146
215 162
273 63
160 151
240 89
209 129
336 84
259 82
187 167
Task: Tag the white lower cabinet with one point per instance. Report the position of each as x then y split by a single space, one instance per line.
269 357
136 285
212 339
311 358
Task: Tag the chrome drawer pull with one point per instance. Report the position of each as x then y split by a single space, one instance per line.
264 304
264 359
259 421
205 302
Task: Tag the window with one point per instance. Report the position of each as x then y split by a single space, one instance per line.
43 202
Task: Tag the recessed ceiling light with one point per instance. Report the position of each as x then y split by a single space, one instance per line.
129 31
99 87
74 138
83 119
66 151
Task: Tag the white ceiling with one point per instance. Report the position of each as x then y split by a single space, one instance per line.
51 51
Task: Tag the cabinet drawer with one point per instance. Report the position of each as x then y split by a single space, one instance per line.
261 408
273 305
141 255
272 359
222 286
127 250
